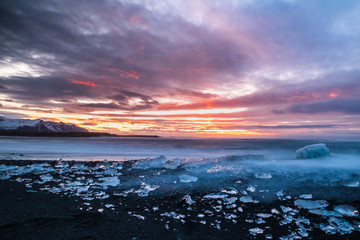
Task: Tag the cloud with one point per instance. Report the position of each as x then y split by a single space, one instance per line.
79 57
346 106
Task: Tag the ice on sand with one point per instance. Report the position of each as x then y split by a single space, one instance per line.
146 189
323 212
347 210
262 175
187 179
230 190
188 199
312 151
216 195
246 199
336 225
350 183
255 231
311 204
306 196
251 189
109 181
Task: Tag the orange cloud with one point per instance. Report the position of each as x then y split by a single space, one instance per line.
84 83
333 95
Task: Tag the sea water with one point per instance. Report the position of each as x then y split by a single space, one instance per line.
260 167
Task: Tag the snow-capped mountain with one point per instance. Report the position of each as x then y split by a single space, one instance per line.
25 125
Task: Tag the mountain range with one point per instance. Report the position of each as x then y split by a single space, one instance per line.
38 126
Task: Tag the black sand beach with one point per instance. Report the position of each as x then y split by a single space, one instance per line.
35 213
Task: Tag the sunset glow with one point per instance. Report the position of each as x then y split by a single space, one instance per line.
185 68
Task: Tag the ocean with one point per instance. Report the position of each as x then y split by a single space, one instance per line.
277 187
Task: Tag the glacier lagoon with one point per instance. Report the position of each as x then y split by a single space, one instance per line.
261 185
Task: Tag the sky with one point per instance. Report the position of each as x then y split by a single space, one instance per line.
184 67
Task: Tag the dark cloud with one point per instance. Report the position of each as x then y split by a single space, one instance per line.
294 126
128 100
346 106
37 89
192 93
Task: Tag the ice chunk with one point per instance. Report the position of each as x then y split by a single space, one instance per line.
246 199
336 225
46 177
109 181
100 210
306 196
230 190
350 183
311 204
291 236
347 210
275 211
255 231
145 189
285 209
312 151
323 212
268 236
263 175
230 200
109 205
216 195
264 215
186 178
188 199
230 216
251 189
175 163
138 216
144 164
260 221
173 215
280 193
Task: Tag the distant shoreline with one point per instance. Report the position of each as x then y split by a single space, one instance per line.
69 134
